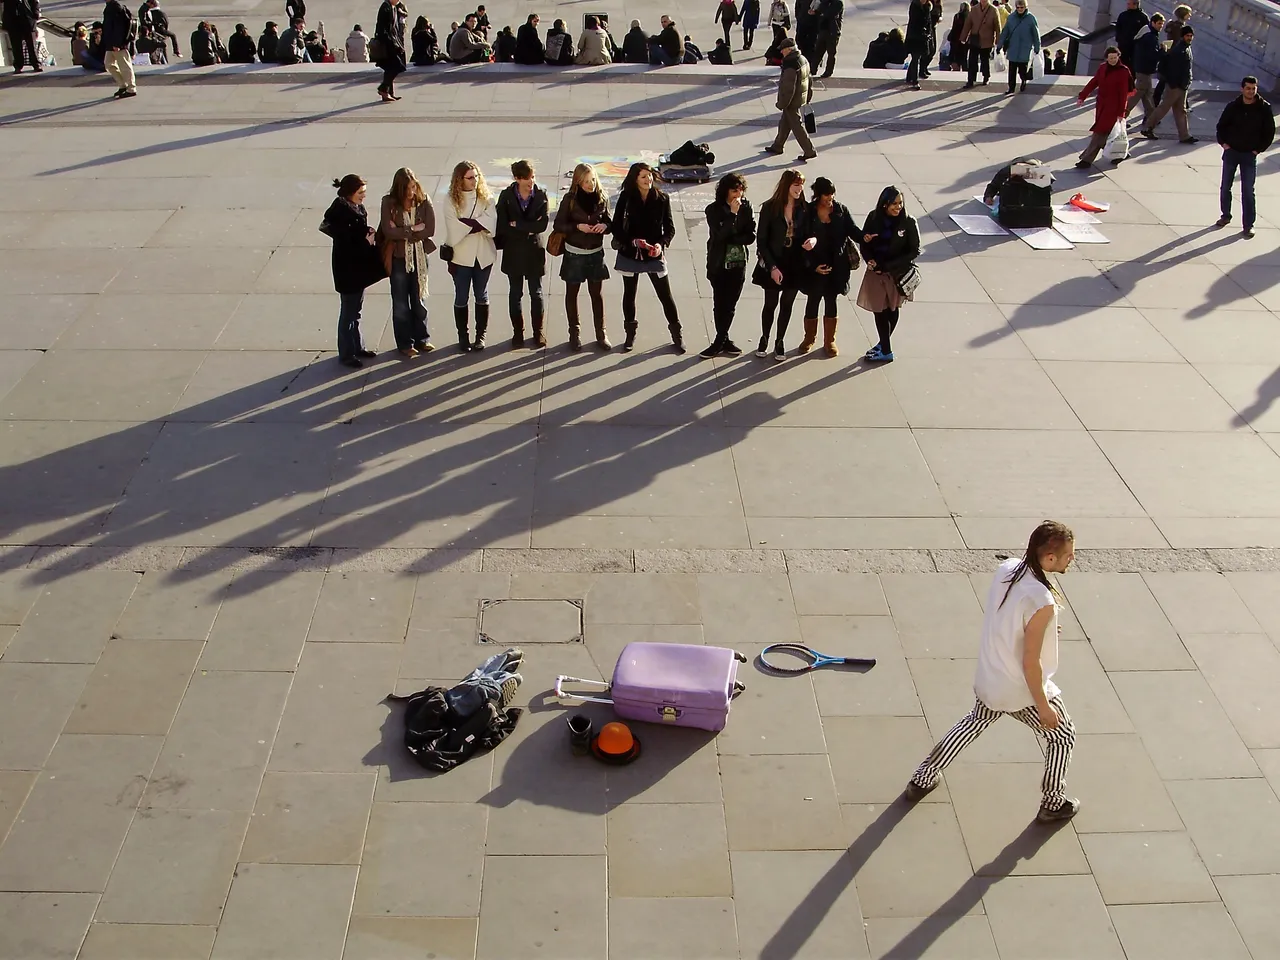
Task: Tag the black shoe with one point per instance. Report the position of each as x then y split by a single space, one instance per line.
478 344
775 151
1068 809
1247 233
678 347
779 354
1148 135
118 94
1223 220
714 349
629 344
1083 164
968 86
913 86
925 74
985 81
1190 140
762 351
367 354
128 93
914 793
731 349
352 362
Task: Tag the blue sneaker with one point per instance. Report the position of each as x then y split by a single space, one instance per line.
879 356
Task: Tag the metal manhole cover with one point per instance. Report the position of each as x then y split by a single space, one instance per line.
518 623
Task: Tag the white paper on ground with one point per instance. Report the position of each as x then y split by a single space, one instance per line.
1080 233
1042 238
979 225
1069 214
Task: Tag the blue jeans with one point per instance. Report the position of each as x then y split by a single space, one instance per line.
535 297
408 313
1247 163
349 342
474 279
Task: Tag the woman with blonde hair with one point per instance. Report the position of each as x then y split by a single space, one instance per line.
407 224
470 221
583 219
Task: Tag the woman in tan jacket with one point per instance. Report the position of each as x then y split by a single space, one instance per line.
980 32
407 225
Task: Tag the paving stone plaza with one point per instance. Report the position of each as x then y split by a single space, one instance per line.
222 550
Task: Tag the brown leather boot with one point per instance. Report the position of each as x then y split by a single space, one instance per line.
829 336
602 338
539 335
810 335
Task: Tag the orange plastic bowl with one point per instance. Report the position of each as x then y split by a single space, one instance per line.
615 744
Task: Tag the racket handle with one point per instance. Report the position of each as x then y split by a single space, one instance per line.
562 696
859 662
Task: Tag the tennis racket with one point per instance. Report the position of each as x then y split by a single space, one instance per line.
794 658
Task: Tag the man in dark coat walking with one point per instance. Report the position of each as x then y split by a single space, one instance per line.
1176 72
1246 128
830 23
119 30
1128 22
20 18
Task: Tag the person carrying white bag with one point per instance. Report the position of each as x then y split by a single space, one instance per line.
1114 85
1117 146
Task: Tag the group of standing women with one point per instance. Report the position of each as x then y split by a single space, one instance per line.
809 247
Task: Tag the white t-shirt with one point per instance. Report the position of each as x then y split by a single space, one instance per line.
1000 682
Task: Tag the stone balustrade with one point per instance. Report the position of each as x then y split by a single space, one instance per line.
1233 37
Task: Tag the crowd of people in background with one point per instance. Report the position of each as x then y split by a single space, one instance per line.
810 246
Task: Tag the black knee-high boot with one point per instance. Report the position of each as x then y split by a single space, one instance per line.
460 315
482 325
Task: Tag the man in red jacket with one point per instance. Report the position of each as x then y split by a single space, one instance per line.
1114 84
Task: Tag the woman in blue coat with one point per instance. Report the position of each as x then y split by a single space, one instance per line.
750 20
1020 41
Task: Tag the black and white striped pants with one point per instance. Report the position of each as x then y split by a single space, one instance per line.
1058 744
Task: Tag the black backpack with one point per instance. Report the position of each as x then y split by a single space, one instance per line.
440 740
692 154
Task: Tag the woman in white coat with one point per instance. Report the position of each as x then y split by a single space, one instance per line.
779 13
470 221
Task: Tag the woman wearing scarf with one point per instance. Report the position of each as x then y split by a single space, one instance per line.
890 245
407 224
829 257
356 264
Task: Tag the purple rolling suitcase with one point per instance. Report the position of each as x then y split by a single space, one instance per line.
686 685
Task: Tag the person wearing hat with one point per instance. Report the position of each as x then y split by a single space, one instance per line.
240 47
795 90
268 43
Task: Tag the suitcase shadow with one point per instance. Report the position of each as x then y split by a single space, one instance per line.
536 765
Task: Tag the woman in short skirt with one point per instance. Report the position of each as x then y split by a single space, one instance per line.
642 230
890 245
583 218
780 269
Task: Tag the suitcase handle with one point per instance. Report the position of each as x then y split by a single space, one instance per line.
562 696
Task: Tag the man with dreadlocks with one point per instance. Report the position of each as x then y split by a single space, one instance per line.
1016 663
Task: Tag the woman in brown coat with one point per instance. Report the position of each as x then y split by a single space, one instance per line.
407 224
980 32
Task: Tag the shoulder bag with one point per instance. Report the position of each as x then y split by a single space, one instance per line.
810 121
555 243
909 282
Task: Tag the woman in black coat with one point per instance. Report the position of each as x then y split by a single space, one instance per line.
643 228
732 228
890 245
830 254
780 268
356 263
523 217
426 46
389 35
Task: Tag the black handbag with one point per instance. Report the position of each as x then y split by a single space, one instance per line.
446 253
810 121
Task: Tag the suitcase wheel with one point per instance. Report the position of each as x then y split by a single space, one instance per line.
739 657
738 687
